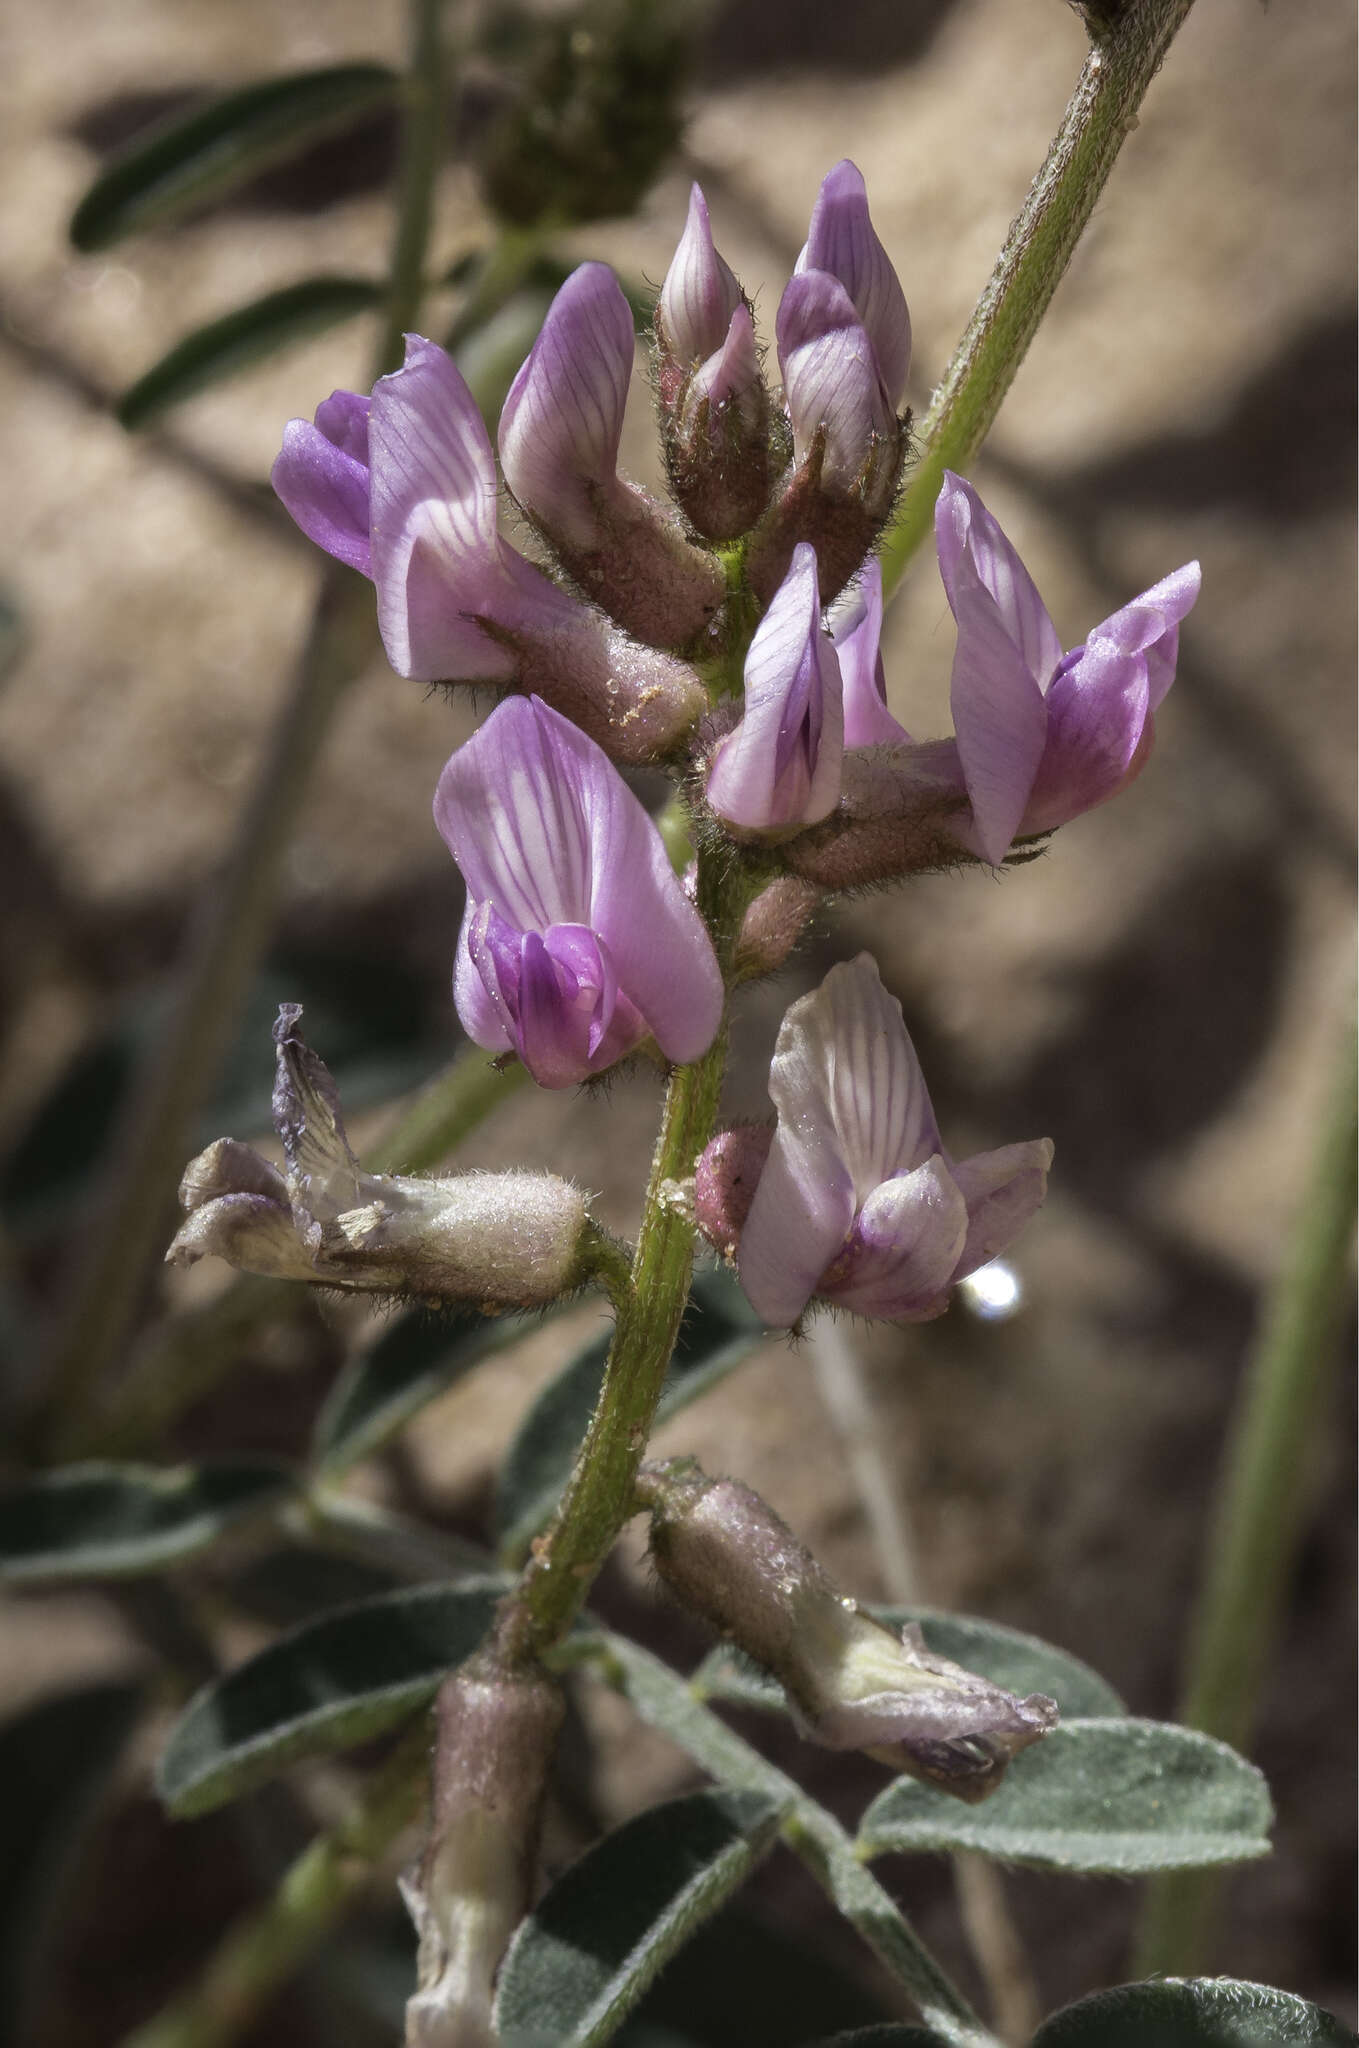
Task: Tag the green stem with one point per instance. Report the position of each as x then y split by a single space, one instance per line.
1101 113
263 1950
120 1250
1262 1502
600 1494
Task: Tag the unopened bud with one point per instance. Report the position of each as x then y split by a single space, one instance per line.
900 813
725 1180
496 1732
851 1683
501 1240
773 925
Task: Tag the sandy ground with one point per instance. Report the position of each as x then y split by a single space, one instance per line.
1163 993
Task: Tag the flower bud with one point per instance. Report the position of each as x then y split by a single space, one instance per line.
851 1683
501 1240
725 1180
496 1732
773 925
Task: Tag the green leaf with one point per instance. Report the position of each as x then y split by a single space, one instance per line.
581 1961
55 1759
326 1687
416 1358
1119 1796
112 1521
1195 2012
195 158
1007 1656
718 1331
214 352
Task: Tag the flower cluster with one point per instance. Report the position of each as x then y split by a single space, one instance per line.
730 637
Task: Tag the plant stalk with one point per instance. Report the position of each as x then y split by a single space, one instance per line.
234 918
1262 1503
1102 111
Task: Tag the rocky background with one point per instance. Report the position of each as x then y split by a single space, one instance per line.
1163 993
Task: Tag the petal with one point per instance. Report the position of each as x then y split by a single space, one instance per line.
831 377
563 418
553 1026
326 490
1097 713
542 824
700 294
855 1043
487 947
781 766
1002 1189
732 374
972 549
841 240
904 1247
343 419
436 555
856 629
1150 625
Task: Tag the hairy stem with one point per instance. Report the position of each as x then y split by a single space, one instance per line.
1262 1502
599 1497
263 1950
1102 111
231 929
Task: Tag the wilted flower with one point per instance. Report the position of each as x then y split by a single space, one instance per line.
851 1682
560 431
780 767
1043 735
578 941
497 1239
858 1204
403 487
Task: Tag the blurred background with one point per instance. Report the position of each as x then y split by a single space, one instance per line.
1163 993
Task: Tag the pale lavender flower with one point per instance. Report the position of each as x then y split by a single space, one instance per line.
1043 735
403 488
560 430
858 1203
832 383
578 941
856 628
780 767
700 294
842 241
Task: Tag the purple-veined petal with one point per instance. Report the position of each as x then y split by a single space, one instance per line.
903 1249
972 549
486 977
1002 1190
562 421
853 1036
781 766
732 374
856 629
831 377
321 477
436 553
1150 625
542 824
1097 711
841 240
700 293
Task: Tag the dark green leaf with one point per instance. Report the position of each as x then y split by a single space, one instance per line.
111 1521
892 2034
212 353
414 1359
1195 2012
718 1331
55 1758
199 157
1119 1796
324 1688
582 1960
1021 1663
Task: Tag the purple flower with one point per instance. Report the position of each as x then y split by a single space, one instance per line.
578 941
858 1202
832 383
780 768
1043 735
841 240
559 436
700 294
856 629
403 488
